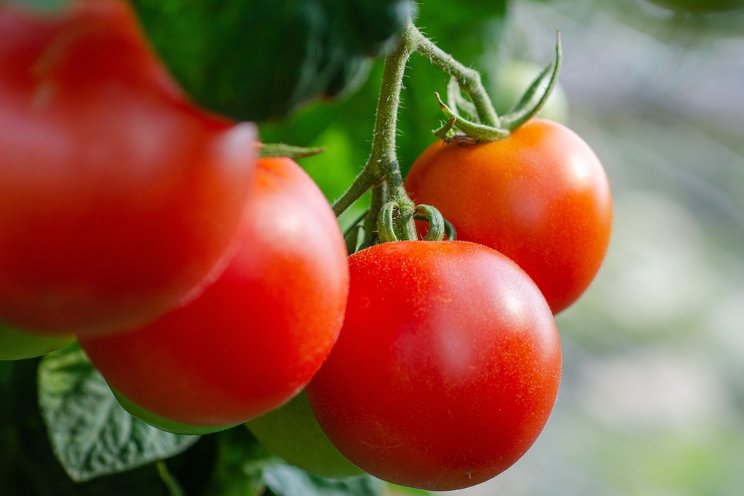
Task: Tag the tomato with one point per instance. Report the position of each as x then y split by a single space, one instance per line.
17 345
447 366
541 197
292 432
513 78
257 335
117 196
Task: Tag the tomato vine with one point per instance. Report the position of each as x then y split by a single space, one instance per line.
391 213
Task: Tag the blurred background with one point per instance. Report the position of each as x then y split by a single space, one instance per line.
652 398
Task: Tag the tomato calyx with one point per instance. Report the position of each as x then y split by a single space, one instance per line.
463 123
282 150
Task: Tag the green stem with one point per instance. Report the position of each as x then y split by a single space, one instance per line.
370 222
362 183
382 173
469 79
174 488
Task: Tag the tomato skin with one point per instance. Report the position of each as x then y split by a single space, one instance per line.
447 366
541 197
256 336
118 197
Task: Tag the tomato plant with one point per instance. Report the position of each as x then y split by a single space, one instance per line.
254 337
447 365
540 196
17 345
208 288
117 196
292 432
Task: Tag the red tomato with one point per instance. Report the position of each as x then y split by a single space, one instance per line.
540 197
257 335
117 196
447 365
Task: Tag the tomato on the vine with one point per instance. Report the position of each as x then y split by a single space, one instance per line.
16 344
540 197
118 197
257 335
447 366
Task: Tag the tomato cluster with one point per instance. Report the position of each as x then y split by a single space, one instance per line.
458 339
206 286
210 287
253 338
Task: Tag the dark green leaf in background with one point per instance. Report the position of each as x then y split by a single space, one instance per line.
262 59
90 433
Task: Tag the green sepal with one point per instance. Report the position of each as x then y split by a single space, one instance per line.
536 94
275 150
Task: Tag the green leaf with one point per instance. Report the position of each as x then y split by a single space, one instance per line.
90 433
239 465
286 480
262 59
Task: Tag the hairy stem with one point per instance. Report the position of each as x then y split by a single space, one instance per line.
469 79
382 173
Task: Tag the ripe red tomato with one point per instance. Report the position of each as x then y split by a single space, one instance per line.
257 335
540 197
117 196
447 366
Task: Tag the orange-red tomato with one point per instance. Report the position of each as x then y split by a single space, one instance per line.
257 335
118 197
540 196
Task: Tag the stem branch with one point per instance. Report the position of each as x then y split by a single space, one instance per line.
382 173
469 79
